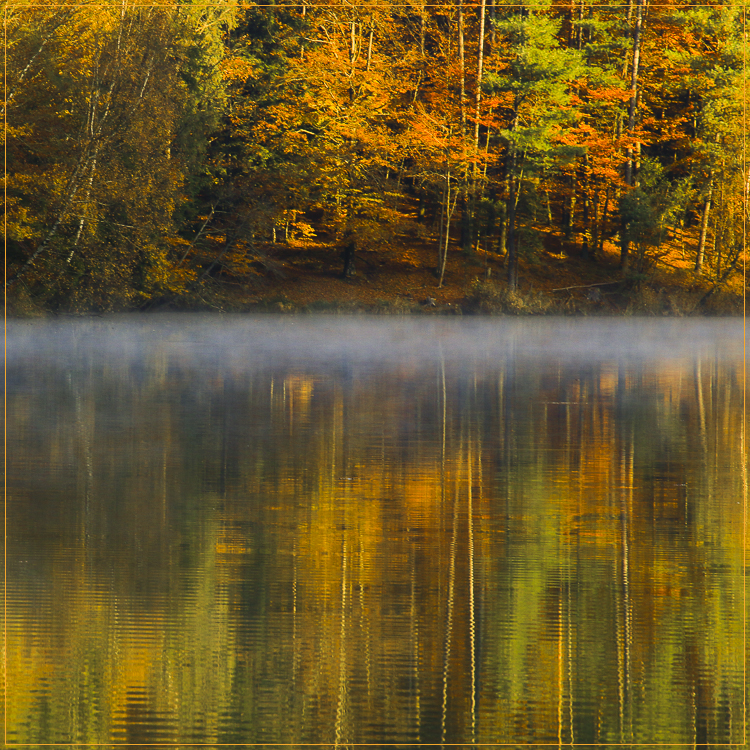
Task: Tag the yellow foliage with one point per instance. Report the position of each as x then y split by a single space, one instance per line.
235 69
305 229
165 277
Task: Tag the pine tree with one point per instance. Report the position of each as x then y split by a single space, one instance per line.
535 75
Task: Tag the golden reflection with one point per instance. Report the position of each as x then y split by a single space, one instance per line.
518 555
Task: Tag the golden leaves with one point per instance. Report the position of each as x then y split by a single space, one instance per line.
237 69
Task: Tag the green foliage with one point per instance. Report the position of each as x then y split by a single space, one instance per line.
124 102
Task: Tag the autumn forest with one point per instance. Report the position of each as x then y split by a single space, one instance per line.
168 155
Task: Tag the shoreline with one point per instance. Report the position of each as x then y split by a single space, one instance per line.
307 280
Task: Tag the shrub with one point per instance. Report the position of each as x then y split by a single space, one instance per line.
490 297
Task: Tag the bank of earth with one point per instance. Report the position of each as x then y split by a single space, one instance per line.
306 276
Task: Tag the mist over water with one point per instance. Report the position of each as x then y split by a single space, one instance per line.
262 340
234 529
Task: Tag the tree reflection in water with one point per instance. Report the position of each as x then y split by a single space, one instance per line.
348 531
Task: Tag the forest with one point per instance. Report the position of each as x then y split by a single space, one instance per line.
192 156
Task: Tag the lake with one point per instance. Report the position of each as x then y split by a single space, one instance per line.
238 529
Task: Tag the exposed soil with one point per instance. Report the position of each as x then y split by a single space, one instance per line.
401 278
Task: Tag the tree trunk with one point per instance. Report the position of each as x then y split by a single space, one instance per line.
493 35
595 223
512 243
470 223
548 205
512 201
704 219
503 239
603 221
369 45
625 57
572 22
632 107
198 235
422 29
462 63
466 221
704 226
570 211
449 209
353 55
443 214
478 92
348 256
82 219
586 253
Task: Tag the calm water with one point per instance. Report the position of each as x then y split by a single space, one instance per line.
352 530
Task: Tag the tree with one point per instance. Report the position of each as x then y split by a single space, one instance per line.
98 116
708 66
535 75
312 126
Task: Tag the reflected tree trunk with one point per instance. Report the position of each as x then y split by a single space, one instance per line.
701 406
472 620
414 634
341 699
449 617
626 491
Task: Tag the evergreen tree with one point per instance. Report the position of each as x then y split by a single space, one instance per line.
535 74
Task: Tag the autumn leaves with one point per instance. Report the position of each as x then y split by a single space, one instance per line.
154 152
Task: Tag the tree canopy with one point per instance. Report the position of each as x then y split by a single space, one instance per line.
152 150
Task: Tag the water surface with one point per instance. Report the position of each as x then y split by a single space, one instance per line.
352 530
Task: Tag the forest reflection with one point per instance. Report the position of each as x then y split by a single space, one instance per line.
227 545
